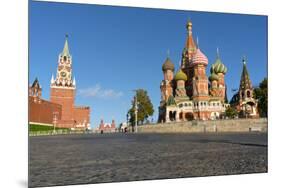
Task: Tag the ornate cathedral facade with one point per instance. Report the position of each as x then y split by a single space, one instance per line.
190 94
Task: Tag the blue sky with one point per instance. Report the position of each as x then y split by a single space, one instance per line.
118 49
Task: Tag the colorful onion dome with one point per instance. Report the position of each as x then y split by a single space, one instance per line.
218 66
214 77
180 76
199 58
168 65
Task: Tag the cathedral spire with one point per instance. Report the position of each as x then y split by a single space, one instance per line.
190 46
218 54
65 51
245 82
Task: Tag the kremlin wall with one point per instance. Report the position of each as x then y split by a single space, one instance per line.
60 111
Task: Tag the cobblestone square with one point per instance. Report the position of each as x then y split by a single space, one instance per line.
96 158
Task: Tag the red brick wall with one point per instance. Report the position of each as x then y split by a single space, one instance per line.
64 97
43 112
81 114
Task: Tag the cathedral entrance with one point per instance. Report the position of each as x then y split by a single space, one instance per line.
172 115
215 115
249 109
189 116
181 116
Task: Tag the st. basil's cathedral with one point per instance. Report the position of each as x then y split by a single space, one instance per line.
191 95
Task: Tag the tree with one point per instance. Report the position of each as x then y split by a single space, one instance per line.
261 94
231 112
145 107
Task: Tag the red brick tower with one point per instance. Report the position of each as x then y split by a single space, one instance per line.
200 85
218 71
35 91
187 55
166 86
63 87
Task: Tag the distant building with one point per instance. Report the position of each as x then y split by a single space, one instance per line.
61 109
107 127
243 100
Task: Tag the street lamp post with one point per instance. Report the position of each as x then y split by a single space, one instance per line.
54 120
136 112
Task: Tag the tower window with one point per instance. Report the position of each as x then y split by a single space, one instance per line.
248 94
64 58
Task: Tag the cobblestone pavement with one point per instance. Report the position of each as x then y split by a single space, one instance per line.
93 158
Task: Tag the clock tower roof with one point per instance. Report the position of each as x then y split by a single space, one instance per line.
65 51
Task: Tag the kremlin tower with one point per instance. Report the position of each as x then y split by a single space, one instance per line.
63 89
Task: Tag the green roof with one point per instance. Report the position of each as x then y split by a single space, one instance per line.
171 101
214 77
65 51
180 76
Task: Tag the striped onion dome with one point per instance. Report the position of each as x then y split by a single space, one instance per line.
168 65
180 76
199 58
218 67
214 77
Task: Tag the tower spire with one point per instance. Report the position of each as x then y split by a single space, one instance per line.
65 51
52 79
245 81
218 55
189 27
190 46
74 82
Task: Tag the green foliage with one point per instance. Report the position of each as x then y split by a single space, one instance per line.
231 112
33 127
261 94
145 107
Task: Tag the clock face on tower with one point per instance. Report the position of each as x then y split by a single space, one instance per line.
63 74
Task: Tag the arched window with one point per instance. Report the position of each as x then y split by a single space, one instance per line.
248 94
64 58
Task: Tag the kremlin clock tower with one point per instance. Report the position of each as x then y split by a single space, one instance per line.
63 88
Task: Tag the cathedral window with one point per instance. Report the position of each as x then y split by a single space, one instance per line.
248 94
